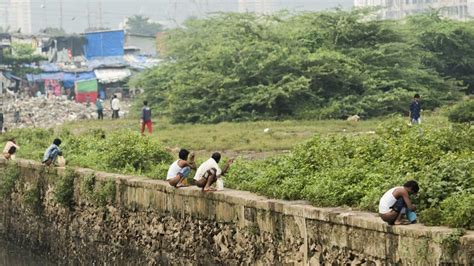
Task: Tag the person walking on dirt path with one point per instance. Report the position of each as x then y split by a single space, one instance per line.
415 109
396 202
145 120
100 109
209 171
115 105
181 168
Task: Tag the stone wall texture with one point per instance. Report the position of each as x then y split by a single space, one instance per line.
149 223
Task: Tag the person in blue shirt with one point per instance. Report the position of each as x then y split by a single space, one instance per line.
52 153
415 109
100 109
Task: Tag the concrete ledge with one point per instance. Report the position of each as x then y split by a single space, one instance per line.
286 229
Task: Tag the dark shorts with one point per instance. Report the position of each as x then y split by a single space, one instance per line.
399 205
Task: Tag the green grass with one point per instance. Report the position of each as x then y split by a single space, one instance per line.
244 138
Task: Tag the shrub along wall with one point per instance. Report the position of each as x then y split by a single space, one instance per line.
85 217
356 171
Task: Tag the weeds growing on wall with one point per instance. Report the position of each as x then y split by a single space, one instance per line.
356 171
451 243
8 179
32 197
64 188
100 194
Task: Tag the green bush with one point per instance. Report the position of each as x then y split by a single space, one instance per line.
64 188
121 151
8 179
458 210
462 112
356 171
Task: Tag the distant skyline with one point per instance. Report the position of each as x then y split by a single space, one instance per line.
77 15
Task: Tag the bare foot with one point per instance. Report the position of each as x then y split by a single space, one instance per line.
181 185
208 189
401 223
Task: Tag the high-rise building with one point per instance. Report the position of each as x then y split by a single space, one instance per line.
19 16
397 9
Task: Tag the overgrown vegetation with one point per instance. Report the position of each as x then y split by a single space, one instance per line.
100 194
463 112
356 171
64 188
8 179
234 67
451 242
32 197
121 151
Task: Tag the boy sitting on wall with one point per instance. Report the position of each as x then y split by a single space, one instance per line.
52 153
180 169
396 202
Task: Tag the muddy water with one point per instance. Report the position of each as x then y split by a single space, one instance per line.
13 255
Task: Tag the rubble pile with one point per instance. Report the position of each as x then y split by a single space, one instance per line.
51 112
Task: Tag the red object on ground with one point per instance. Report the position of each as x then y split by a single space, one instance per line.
149 125
82 97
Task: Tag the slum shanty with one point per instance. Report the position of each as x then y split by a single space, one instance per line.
70 74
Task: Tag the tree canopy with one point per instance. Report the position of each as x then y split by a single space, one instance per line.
142 25
311 65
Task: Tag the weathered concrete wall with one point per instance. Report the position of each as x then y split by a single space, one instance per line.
149 222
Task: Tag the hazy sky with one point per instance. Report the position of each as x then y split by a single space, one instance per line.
80 14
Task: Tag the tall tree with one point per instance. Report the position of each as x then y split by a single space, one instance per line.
142 25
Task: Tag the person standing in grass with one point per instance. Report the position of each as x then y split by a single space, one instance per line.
52 153
396 202
415 110
208 172
115 105
180 169
146 118
100 109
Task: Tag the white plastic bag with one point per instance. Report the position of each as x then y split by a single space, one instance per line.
61 161
220 184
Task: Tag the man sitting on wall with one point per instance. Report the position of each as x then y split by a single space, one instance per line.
209 171
52 153
396 202
180 169
10 149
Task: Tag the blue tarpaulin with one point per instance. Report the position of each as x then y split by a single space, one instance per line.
67 78
104 43
70 78
10 76
43 76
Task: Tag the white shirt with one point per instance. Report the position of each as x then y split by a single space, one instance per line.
206 166
173 170
115 104
387 201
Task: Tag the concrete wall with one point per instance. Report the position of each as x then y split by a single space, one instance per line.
149 222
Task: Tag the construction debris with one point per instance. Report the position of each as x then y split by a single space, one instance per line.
54 111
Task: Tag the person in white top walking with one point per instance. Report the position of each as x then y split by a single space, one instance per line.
115 105
209 171
396 202
180 169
